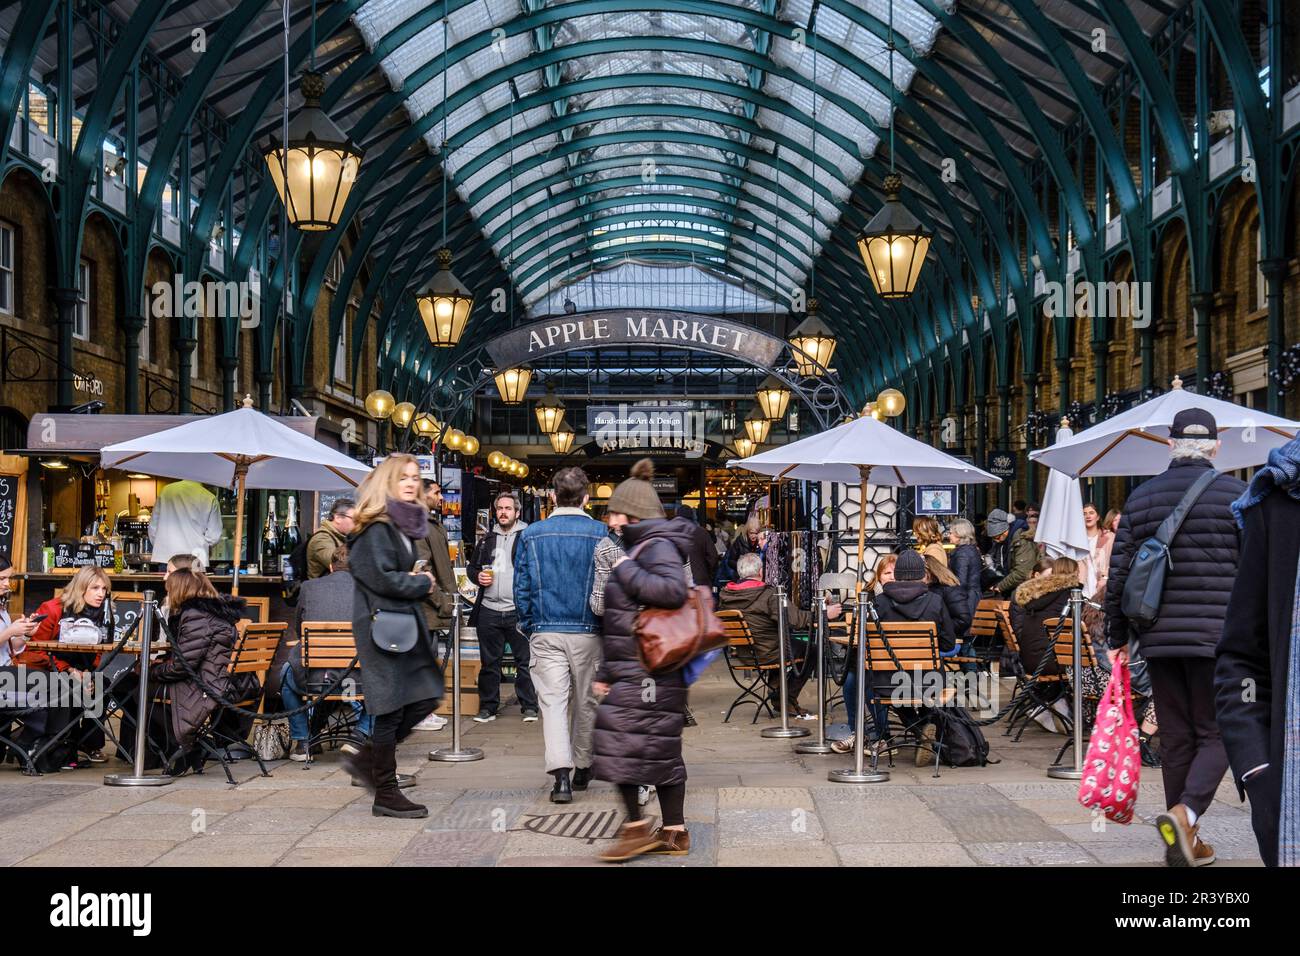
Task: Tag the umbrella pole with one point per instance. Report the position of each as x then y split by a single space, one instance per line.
240 471
862 527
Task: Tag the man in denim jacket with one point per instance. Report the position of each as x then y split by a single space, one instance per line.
554 568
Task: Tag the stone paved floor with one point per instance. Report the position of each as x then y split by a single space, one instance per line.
751 801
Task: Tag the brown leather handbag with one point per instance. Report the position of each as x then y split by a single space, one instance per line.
668 639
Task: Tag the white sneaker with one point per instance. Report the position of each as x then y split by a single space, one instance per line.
643 795
432 722
1044 719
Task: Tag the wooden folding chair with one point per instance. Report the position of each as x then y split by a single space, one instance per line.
1033 693
743 663
911 648
330 646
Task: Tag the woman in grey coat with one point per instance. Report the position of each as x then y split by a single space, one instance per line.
401 688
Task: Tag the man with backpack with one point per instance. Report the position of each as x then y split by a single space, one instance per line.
1175 610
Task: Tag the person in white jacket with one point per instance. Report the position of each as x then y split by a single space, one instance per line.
186 520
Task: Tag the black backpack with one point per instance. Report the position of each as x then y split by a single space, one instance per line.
964 744
1145 585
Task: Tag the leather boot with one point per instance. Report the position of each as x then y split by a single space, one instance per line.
389 801
359 762
672 842
633 840
562 792
581 777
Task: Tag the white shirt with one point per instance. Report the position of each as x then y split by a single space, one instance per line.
5 659
186 520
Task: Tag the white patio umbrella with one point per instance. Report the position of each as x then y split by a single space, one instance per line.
240 449
1061 530
1133 442
864 450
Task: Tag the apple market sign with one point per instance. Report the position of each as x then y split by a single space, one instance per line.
620 328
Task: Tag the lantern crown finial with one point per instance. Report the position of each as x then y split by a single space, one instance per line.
312 85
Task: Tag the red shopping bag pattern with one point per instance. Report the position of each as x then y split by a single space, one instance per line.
1114 760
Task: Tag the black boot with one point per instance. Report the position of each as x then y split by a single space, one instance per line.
389 801
359 762
581 777
562 792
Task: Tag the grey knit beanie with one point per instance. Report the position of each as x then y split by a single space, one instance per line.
636 497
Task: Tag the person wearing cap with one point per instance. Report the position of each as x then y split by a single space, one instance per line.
1020 559
1179 647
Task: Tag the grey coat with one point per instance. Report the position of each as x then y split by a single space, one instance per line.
381 558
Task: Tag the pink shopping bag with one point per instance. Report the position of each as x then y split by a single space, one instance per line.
1114 760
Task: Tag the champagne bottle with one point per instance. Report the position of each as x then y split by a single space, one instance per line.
270 540
291 537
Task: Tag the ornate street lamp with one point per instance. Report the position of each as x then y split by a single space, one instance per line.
773 397
550 411
403 413
320 165
444 304
893 245
562 438
512 384
757 426
813 343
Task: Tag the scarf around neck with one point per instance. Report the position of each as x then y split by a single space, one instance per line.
409 517
1282 472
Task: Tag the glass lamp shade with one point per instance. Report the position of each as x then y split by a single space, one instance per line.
813 343
454 439
562 438
893 245
550 412
745 446
495 459
773 397
512 384
757 426
321 164
403 412
604 491
891 403
426 425
471 446
380 404
523 470
444 304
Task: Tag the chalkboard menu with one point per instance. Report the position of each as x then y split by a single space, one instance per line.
126 608
104 555
8 514
65 554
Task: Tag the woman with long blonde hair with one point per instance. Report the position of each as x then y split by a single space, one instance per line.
929 539
402 687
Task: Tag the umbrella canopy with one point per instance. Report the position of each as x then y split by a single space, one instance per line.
1060 530
841 453
208 451
1133 442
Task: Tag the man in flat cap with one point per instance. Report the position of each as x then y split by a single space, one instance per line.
1179 646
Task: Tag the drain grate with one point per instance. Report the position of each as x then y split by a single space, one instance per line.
589 825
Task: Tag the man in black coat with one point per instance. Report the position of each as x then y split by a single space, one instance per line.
1179 646
1254 679
704 552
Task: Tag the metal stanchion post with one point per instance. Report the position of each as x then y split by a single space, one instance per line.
819 746
137 777
456 754
859 773
784 731
1076 616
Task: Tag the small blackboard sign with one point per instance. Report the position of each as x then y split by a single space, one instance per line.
126 608
65 554
104 555
85 555
8 514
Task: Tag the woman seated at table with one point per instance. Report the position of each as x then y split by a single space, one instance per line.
203 631
81 614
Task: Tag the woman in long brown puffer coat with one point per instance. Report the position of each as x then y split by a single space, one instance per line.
638 734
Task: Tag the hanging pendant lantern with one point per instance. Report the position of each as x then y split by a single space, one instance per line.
562 438
813 344
773 397
757 425
322 163
444 304
893 245
512 384
745 446
550 411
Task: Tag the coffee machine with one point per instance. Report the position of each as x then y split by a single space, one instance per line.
136 547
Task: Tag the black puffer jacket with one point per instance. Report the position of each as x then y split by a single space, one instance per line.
1204 562
1035 601
203 632
638 734
915 601
964 562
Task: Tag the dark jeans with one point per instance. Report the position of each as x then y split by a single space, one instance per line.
395 726
672 803
495 631
1192 758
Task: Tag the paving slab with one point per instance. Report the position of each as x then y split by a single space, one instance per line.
903 854
453 848
109 853
795 828
227 850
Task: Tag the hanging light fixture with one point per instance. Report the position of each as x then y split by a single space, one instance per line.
379 404
893 245
891 403
745 446
471 446
512 384
320 165
550 411
444 304
757 425
402 414
813 344
562 438
773 397
494 459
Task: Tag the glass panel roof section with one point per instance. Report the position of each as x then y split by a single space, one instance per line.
635 284
780 103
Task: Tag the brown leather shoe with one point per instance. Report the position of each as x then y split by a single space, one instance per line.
633 840
672 842
1183 847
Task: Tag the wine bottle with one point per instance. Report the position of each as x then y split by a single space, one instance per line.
291 537
270 539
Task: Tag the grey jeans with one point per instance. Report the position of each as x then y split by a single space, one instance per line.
563 667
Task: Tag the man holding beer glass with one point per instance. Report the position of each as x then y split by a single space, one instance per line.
492 568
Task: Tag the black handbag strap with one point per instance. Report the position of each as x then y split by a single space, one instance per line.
1169 527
